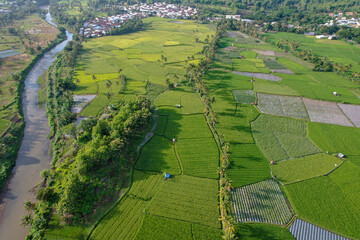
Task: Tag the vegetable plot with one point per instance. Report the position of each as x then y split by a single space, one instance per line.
261 202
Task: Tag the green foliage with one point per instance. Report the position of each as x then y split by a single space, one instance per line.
323 203
303 168
247 165
102 158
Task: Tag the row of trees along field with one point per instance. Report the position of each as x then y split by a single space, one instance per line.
194 76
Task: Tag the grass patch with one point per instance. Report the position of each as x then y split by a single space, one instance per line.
4 124
303 168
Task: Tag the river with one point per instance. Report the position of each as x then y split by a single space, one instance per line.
33 154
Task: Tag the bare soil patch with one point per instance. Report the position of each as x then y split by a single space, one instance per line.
265 52
352 112
286 71
326 112
264 76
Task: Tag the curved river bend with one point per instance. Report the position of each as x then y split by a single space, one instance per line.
33 154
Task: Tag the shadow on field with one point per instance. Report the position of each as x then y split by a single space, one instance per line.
158 154
261 231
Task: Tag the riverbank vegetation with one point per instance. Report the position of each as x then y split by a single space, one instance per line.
27 40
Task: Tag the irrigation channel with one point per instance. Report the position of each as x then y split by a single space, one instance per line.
33 154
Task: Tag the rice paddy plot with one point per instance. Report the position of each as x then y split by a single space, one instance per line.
250 65
326 112
199 157
122 222
331 79
168 98
295 67
347 178
264 76
296 146
224 102
310 89
235 129
95 106
271 64
302 230
188 199
261 202
158 155
160 129
247 165
154 227
192 126
272 87
265 52
324 204
352 112
164 228
282 105
260 231
299 169
281 138
270 146
335 139
279 124
244 96
145 185
191 104
249 54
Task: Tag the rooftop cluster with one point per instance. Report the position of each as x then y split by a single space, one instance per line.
101 26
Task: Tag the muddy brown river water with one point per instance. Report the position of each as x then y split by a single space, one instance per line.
33 155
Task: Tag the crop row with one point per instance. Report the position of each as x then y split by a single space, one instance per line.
261 202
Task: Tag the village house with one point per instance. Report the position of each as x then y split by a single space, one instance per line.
101 26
